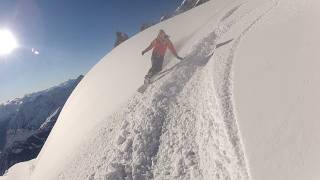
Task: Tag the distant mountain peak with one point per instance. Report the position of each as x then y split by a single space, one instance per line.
26 122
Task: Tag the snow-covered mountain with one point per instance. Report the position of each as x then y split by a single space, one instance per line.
189 4
184 6
23 119
32 110
241 105
28 146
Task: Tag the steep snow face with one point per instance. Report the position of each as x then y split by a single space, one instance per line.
276 88
181 128
184 126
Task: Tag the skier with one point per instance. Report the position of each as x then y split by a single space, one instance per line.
159 46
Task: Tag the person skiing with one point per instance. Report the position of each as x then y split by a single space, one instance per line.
159 45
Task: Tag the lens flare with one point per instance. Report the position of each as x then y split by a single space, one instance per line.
7 42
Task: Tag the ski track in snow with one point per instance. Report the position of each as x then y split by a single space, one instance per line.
183 126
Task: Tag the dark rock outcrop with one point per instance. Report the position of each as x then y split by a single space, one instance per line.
120 38
145 26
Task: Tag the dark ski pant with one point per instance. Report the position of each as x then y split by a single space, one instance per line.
157 62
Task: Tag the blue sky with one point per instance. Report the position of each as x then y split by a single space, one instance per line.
71 36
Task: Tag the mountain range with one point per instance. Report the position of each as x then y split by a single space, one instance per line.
26 122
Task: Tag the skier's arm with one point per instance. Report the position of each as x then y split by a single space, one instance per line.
148 48
173 50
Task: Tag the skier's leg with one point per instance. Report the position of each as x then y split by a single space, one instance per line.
158 65
151 71
157 62
149 75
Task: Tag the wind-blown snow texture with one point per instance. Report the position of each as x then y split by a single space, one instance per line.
183 127
276 93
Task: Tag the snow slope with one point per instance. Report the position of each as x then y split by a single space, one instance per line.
184 126
276 88
140 141
21 171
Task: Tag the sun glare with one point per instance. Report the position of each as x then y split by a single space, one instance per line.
7 42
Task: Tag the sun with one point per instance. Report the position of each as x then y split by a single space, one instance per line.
7 42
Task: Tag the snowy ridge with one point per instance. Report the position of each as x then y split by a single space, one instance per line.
32 96
141 153
33 109
185 126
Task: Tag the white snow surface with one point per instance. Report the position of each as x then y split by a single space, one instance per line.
19 171
276 92
187 124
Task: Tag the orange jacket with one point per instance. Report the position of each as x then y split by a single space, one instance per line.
160 47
